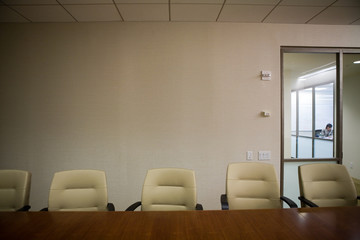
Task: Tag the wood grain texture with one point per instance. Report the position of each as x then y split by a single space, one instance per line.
306 223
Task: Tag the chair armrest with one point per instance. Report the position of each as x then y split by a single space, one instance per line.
199 207
133 206
307 202
289 202
24 208
224 202
110 207
44 210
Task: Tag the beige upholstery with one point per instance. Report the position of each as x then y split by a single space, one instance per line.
78 190
326 185
14 189
169 189
251 185
357 187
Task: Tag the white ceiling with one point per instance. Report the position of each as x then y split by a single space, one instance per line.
334 12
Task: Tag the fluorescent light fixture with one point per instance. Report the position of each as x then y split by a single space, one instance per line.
306 76
356 62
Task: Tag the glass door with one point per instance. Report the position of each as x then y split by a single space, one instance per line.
311 116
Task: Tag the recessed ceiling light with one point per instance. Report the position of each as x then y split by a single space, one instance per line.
357 62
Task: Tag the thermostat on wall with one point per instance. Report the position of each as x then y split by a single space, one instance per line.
266 75
265 113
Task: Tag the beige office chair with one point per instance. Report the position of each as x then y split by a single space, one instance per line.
14 190
168 189
326 185
79 190
252 185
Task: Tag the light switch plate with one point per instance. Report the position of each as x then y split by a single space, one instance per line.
249 155
264 155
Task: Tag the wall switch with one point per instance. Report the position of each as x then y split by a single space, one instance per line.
249 155
264 155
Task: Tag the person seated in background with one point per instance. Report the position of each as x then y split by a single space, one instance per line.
327 132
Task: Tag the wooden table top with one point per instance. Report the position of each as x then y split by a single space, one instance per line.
302 223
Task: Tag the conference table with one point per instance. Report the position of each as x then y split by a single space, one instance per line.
302 223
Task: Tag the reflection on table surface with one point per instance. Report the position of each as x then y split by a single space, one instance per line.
305 223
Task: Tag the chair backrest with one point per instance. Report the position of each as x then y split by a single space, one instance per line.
14 189
327 184
78 190
252 185
169 189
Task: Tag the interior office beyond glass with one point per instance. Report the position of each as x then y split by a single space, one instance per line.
323 148
312 109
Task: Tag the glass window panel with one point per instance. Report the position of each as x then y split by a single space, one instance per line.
309 86
293 113
324 106
293 146
323 148
305 112
304 147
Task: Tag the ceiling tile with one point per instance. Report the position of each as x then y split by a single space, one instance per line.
357 22
251 2
30 2
78 2
44 13
344 12
292 14
195 12
94 13
244 13
337 15
312 3
142 1
144 12
347 3
9 15
198 1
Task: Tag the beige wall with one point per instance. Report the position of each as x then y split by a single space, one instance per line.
126 97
